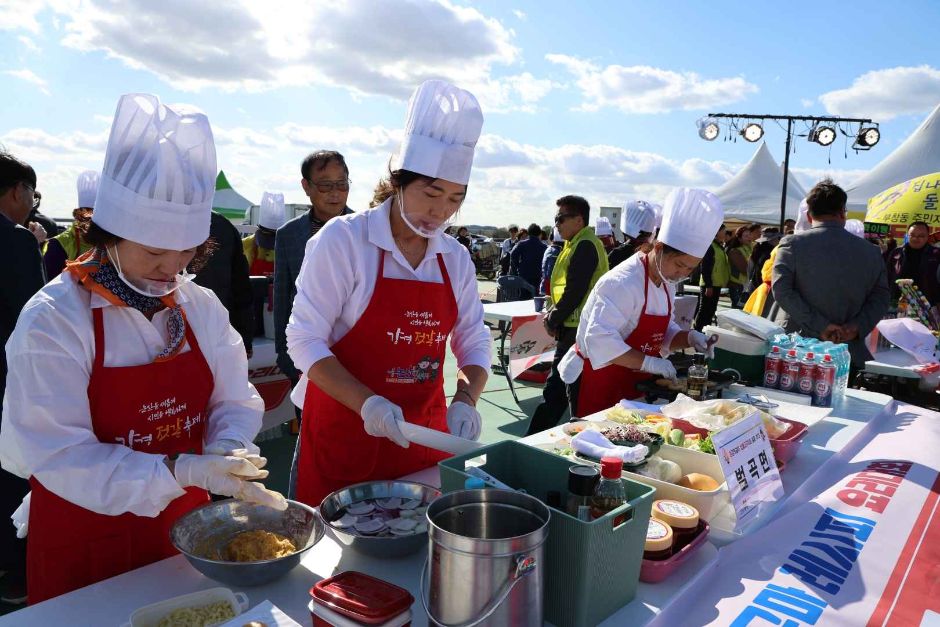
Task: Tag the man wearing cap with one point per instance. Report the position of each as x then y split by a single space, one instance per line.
69 244
638 221
580 265
627 327
259 246
368 337
150 408
525 260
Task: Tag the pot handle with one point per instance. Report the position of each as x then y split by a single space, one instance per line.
525 564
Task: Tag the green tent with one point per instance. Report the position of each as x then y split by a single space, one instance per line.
228 202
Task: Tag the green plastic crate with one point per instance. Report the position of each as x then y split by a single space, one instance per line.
592 568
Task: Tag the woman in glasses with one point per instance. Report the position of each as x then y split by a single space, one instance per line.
364 333
626 328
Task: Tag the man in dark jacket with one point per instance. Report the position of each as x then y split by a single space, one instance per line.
525 260
19 245
916 260
226 274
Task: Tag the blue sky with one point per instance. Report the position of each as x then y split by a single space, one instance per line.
595 98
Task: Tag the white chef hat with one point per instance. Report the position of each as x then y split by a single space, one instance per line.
602 227
855 227
159 174
272 211
441 130
658 210
802 221
638 217
87 188
556 236
691 218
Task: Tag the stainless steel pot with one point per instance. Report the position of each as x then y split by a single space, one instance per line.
485 559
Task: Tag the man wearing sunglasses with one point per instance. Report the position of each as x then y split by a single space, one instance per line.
326 183
21 252
581 263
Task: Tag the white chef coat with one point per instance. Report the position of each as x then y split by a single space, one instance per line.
337 279
47 430
612 312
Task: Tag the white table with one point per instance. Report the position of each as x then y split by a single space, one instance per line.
892 362
505 312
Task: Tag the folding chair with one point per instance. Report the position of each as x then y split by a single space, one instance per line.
510 288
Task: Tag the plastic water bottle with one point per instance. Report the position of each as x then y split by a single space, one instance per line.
807 374
824 382
790 371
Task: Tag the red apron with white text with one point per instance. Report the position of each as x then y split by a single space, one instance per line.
397 350
603 388
158 408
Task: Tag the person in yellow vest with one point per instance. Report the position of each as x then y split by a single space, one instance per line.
259 247
715 274
739 250
70 244
580 264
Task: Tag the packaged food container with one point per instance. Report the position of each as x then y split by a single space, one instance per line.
654 571
785 446
682 518
659 539
708 502
352 599
152 614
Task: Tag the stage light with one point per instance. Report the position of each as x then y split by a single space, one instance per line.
752 132
868 136
708 129
823 135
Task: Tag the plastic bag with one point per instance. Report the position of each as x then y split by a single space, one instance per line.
717 414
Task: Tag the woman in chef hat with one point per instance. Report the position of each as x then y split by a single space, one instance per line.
626 327
71 243
259 246
128 399
360 332
637 222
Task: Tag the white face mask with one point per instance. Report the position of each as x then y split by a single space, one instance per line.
659 269
414 222
149 287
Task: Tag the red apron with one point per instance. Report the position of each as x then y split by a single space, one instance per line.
158 408
396 349
261 267
603 388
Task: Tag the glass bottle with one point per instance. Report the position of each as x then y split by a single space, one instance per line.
698 378
611 493
582 480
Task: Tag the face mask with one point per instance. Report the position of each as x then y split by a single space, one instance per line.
148 287
414 223
659 269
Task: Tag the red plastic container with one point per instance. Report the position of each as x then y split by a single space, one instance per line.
785 447
654 571
361 598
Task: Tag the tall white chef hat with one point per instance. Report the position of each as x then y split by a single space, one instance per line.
658 210
855 227
691 218
638 217
87 188
159 174
802 221
441 131
602 227
272 212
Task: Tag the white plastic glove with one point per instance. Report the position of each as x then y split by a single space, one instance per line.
463 420
227 476
660 366
380 418
21 517
234 448
699 342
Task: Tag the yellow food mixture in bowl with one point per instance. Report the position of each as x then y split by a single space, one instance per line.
257 546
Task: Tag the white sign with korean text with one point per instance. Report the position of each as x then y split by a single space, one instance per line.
747 461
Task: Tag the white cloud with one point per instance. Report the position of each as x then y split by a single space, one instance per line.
367 48
885 94
644 89
807 102
520 14
20 15
29 44
30 77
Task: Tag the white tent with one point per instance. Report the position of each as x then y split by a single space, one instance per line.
753 194
918 155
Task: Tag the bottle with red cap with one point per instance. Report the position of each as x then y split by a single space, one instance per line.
790 372
773 363
611 493
807 374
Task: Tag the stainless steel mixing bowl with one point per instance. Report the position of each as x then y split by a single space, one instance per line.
391 546
206 530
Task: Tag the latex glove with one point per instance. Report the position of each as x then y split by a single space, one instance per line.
227 476
380 417
463 420
234 448
21 517
660 366
699 342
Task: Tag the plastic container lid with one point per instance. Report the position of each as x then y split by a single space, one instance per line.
611 467
474 483
582 480
676 514
361 597
658 536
